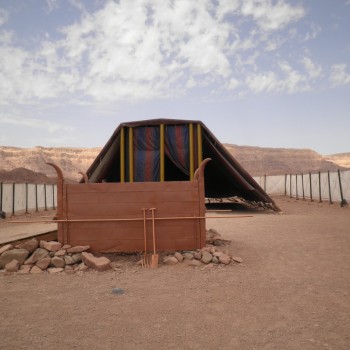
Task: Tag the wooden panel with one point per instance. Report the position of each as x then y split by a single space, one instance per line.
125 200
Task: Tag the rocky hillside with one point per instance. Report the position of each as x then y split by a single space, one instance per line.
341 159
71 160
256 160
276 161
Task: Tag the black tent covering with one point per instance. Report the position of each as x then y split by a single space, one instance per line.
139 143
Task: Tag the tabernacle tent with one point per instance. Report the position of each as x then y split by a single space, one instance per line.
171 150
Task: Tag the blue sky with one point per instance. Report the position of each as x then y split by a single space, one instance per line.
268 73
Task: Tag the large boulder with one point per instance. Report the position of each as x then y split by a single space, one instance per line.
14 254
30 245
100 264
38 254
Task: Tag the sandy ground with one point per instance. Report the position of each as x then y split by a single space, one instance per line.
291 292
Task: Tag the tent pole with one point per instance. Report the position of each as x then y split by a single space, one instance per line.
122 155
131 155
199 141
191 151
162 167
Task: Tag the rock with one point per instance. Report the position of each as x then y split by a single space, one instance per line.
52 246
99 264
219 242
188 256
24 269
14 254
170 260
218 254
68 260
82 267
58 262
51 254
179 257
237 259
76 258
66 246
41 244
206 257
61 252
224 259
5 248
43 263
53 270
36 270
215 260
38 254
206 249
68 267
30 245
12 266
78 249
197 255
194 263
212 250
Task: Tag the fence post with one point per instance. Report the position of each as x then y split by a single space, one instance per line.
329 189
285 184
13 198
310 188
53 196
26 197
265 182
36 198
290 185
343 202
319 186
45 196
302 185
1 188
296 186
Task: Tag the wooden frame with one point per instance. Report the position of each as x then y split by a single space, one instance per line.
91 203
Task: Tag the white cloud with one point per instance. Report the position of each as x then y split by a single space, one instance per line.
4 16
141 49
272 16
286 79
339 75
313 70
49 126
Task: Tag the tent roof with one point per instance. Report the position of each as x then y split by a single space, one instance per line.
224 176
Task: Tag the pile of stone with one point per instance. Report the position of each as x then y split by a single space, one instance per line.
214 237
206 256
38 257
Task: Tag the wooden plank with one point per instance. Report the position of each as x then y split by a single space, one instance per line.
168 186
133 197
130 210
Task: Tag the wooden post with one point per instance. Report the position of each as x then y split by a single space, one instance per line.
122 155
13 198
131 155
319 186
191 151
161 151
26 197
296 186
199 144
329 188
310 188
302 185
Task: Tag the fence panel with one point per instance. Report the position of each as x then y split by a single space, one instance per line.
318 186
19 198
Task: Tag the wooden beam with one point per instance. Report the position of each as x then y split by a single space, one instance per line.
131 155
199 144
190 130
162 166
122 155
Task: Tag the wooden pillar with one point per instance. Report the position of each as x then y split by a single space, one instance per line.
131 155
199 144
191 151
162 165
122 155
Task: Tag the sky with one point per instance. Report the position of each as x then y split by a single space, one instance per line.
267 73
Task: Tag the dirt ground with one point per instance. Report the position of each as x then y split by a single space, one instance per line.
291 292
